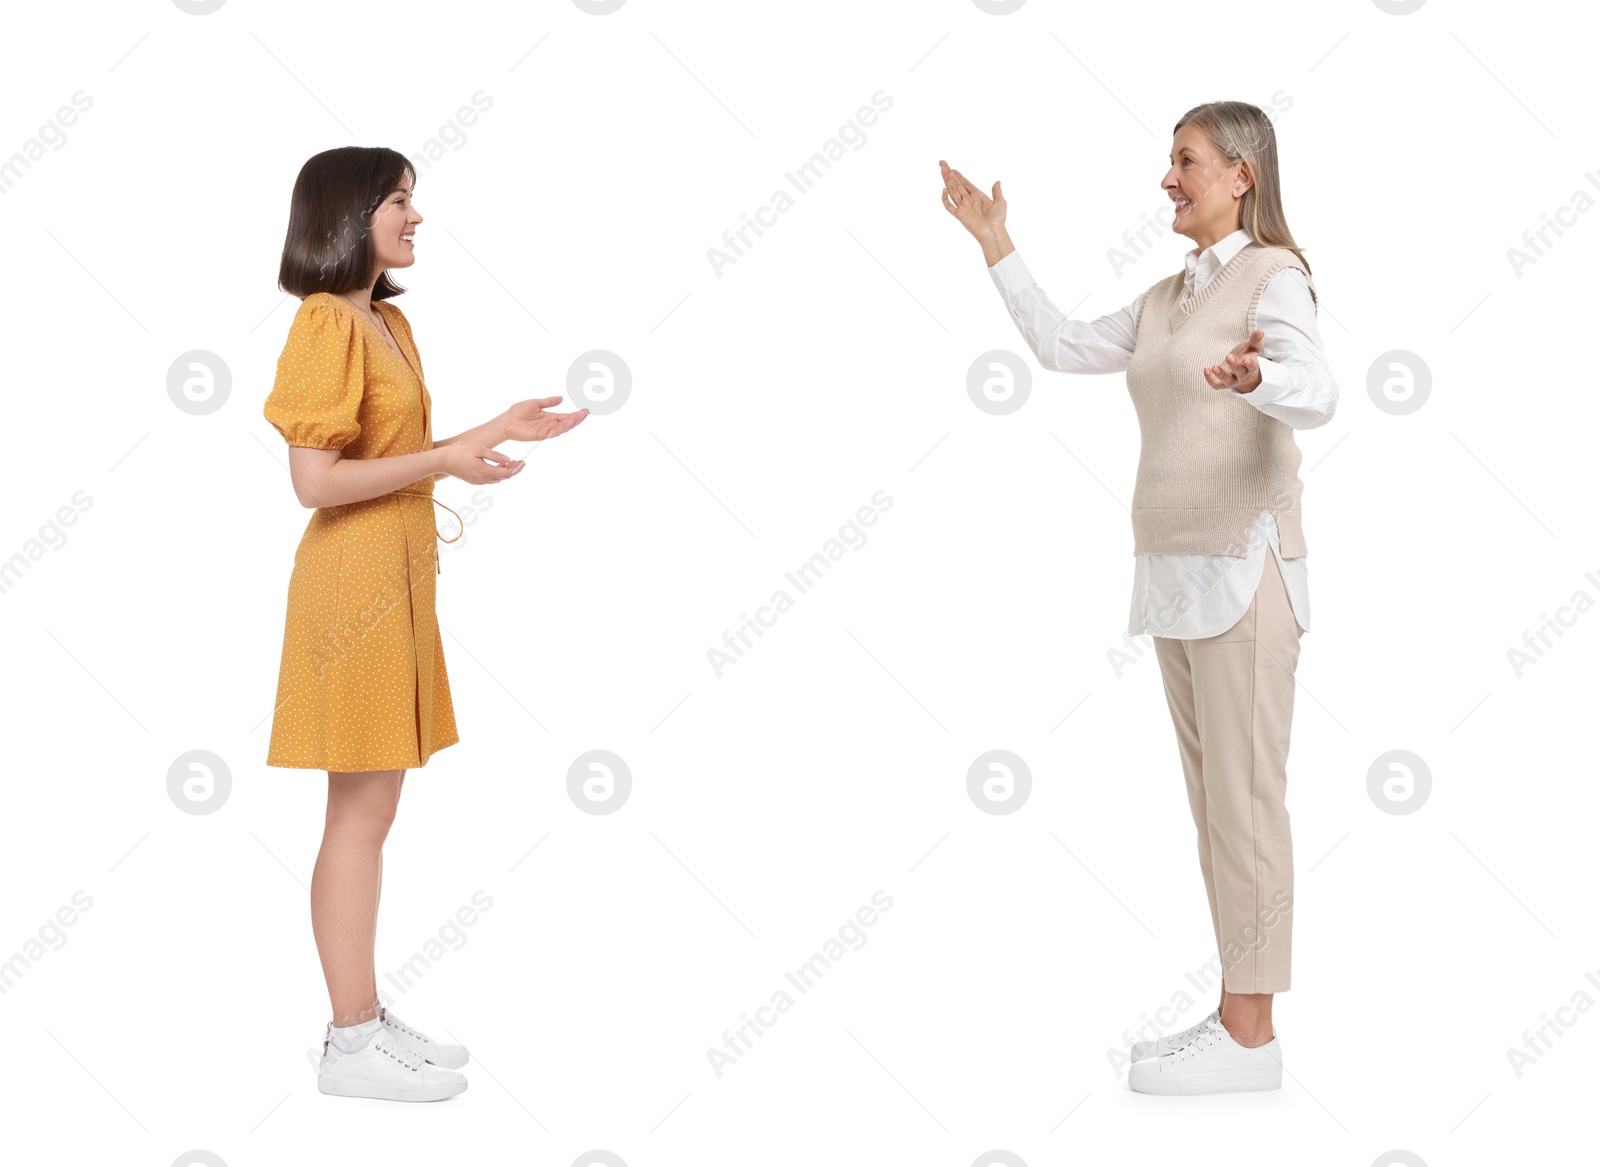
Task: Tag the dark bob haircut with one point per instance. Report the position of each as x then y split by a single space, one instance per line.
329 244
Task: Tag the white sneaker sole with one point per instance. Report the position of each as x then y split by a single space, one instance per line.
350 1088
1212 1082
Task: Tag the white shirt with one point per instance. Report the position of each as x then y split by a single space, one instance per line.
1190 596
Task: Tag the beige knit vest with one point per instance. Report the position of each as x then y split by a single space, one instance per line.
1209 461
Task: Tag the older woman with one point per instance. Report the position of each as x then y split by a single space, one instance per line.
1223 363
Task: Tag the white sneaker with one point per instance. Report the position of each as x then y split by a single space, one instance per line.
385 1067
1212 1063
439 1053
1172 1041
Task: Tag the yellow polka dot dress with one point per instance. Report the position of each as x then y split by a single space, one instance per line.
361 684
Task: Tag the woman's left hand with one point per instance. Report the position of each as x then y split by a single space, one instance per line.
1239 370
527 421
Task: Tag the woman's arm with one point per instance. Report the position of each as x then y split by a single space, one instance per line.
490 433
1103 345
326 478
1066 346
996 243
1297 385
524 421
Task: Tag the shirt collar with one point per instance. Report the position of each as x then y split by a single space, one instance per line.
1199 266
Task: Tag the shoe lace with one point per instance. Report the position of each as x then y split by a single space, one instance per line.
390 1020
393 1047
1204 1034
1184 1037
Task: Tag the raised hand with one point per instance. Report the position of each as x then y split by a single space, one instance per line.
1240 370
527 421
974 210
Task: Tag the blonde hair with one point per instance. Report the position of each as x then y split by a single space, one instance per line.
1238 130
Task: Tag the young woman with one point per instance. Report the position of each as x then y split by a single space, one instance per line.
1223 363
362 690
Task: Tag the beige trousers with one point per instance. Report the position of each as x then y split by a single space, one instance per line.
1231 697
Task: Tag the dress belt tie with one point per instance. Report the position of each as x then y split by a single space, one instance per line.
429 495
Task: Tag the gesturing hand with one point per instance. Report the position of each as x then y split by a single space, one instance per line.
478 465
973 209
1239 370
527 421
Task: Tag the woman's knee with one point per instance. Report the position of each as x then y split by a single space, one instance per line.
364 804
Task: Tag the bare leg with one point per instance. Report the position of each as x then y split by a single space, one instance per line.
372 944
377 901
344 888
1248 1018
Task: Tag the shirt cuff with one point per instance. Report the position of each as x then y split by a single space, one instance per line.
1274 381
1011 275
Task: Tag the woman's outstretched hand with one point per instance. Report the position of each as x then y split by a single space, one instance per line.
1240 370
983 216
527 421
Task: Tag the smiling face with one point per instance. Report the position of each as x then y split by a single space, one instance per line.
1205 190
392 225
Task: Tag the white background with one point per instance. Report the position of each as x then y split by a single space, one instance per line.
768 404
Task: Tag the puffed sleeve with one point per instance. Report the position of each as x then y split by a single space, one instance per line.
316 396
